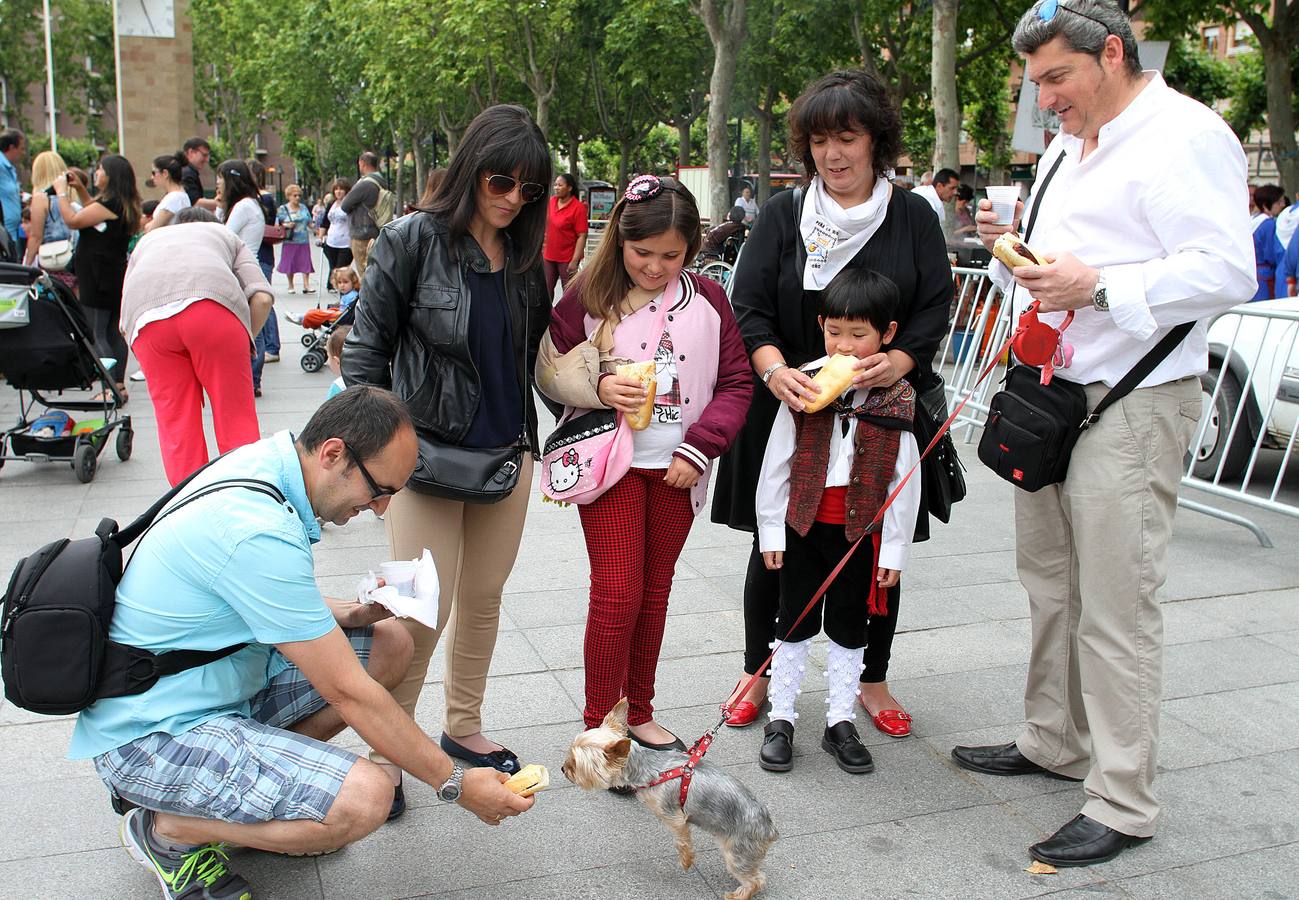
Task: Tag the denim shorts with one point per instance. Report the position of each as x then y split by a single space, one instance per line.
238 769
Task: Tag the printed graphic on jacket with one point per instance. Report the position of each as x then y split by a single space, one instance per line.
667 402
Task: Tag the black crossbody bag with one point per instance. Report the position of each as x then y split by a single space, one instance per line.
1032 427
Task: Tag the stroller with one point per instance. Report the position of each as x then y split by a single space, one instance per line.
320 324
53 351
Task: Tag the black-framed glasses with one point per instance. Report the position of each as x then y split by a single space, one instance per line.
1047 11
377 490
500 185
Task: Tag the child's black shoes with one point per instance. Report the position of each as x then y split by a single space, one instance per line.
841 742
777 753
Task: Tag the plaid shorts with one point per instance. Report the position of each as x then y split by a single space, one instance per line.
237 769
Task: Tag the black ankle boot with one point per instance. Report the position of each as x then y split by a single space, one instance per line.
777 753
841 742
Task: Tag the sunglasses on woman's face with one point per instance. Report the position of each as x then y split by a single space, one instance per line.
500 185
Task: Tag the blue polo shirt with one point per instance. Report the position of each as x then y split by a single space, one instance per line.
10 197
232 567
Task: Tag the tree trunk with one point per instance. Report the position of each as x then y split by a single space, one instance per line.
765 118
725 20
575 157
947 109
624 163
417 149
1280 112
543 113
399 177
683 141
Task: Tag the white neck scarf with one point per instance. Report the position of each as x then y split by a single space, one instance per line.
833 235
1287 221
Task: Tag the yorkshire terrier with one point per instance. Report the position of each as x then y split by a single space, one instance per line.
606 757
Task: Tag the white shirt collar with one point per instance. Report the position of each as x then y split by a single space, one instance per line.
1130 119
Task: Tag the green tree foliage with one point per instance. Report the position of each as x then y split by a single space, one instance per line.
1197 74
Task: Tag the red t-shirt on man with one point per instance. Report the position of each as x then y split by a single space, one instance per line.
562 229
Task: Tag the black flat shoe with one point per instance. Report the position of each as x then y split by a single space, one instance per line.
1083 842
675 744
502 760
398 803
842 742
777 753
1001 759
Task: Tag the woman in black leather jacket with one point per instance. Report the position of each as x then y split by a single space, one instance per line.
451 312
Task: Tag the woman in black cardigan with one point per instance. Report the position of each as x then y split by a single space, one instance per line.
847 132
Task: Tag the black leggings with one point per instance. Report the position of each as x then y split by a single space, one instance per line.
339 258
762 603
109 341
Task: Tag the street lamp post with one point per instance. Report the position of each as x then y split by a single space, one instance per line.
49 78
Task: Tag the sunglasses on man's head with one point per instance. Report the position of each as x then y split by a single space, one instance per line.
1047 11
377 490
500 185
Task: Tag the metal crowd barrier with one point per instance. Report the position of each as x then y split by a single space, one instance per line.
979 323
1249 415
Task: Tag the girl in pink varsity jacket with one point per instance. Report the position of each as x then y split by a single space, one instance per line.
634 303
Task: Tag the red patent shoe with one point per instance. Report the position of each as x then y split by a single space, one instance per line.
893 722
744 712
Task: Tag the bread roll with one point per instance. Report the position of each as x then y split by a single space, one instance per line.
834 378
1011 250
643 372
528 780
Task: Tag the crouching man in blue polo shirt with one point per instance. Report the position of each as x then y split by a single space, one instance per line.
235 752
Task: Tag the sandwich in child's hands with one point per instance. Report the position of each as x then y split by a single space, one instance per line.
834 378
1011 250
528 780
643 372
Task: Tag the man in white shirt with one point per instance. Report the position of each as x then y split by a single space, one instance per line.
940 191
1134 258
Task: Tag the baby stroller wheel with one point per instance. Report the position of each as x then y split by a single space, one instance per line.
308 339
312 361
84 461
125 438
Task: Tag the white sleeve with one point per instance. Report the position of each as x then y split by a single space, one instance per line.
1209 266
900 518
773 482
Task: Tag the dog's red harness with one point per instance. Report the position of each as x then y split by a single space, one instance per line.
686 770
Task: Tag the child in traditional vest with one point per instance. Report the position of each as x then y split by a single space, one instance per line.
825 476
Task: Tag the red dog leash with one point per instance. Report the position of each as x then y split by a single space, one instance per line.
1035 343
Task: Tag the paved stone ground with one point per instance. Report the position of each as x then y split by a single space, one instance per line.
920 827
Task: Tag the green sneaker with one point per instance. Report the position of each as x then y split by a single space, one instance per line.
197 874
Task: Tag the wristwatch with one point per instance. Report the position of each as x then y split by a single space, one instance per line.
1100 302
771 370
450 790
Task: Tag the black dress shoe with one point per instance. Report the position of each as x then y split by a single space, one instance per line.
841 742
398 803
1001 759
777 753
502 760
1083 842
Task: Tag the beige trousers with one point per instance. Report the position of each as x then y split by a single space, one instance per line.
474 547
1091 552
360 256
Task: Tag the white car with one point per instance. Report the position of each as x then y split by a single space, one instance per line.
1256 355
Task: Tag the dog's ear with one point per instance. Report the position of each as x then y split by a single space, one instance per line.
616 753
617 718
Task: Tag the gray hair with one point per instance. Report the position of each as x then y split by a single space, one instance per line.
194 214
1080 23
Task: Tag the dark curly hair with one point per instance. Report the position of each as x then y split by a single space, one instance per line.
846 100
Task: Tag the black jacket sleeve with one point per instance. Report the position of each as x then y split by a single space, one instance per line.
382 311
754 294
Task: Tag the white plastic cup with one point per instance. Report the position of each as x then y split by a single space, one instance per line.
400 575
1004 198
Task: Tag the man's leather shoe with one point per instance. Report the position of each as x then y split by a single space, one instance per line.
1083 842
1001 759
398 803
777 753
841 742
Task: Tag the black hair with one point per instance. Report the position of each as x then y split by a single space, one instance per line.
237 182
122 188
364 417
846 100
148 207
195 143
570 180
942 176
861 295
370 158
258 171
10 137
736 214
172 164
965 192
503 140
194 214
1267 194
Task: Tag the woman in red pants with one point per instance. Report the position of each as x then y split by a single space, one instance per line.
192 300
634 304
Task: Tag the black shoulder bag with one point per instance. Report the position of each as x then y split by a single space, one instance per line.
1032 427
55 655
